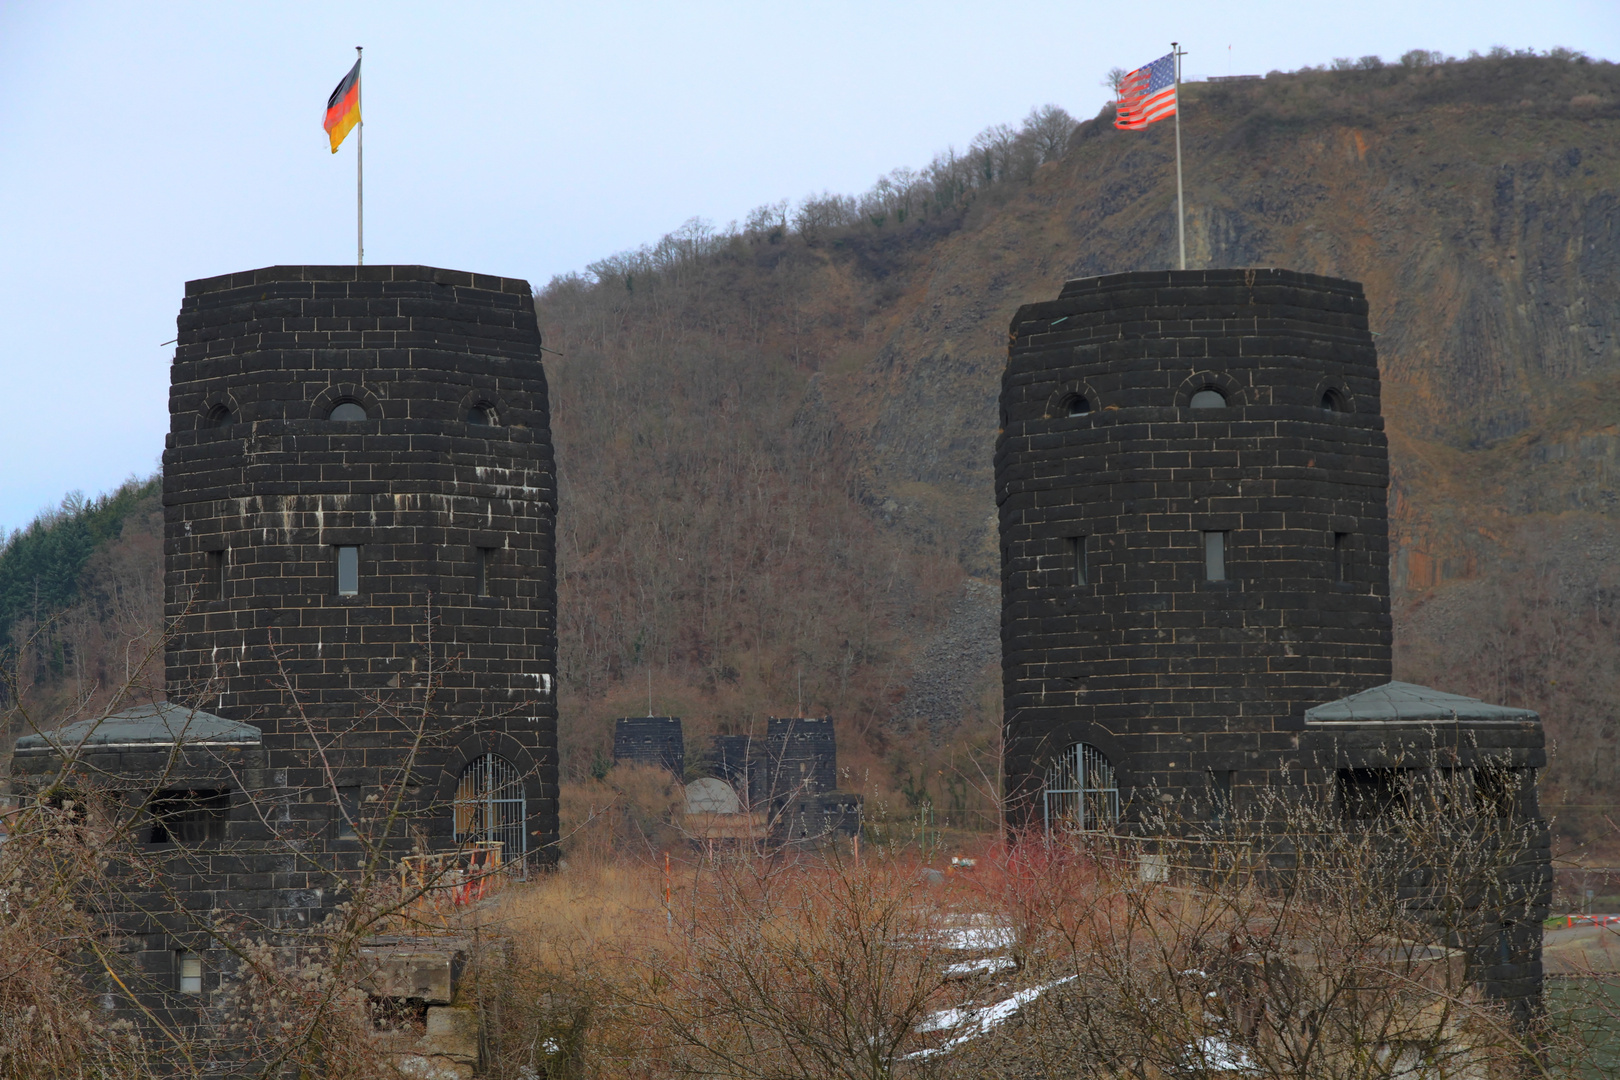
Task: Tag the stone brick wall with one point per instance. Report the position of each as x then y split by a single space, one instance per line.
1177 678
1194 681
452 630
651 740
798 756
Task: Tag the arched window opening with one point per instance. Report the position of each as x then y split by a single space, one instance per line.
1081 792
347 411
220 416
1077 405
1208 398
481 416
492 807
1333 401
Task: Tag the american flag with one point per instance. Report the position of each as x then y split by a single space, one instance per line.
1147 94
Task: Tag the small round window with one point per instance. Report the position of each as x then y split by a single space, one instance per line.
1208 398
1333 401
220 416
347 411
1076 405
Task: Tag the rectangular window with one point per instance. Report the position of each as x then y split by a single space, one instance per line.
348 571
214 580
1365 794
1077 572
348 808
1220 794
483 557
1341 556
189 817
188 968
1214 556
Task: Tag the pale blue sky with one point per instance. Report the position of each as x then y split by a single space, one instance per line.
144 145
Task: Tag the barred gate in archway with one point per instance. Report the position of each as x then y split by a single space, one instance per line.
492 807
1081 792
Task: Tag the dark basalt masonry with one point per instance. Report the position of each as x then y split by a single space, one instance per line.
359 512
445 484
659 741
1180 584
1169 673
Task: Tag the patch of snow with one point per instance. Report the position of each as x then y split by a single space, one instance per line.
976 932
1214 1054
987 966
979 1021
976 937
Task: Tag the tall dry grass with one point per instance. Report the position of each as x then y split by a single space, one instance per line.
1293 946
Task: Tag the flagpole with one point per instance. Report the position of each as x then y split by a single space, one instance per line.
1181 215
360 179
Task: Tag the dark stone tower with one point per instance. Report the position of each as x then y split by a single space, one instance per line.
651 740
360 507
1191 475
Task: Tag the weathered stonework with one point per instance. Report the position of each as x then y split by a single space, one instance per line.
1192 479
447 488
1168 673
658 741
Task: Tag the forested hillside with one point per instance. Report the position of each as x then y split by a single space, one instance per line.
775 438
81 606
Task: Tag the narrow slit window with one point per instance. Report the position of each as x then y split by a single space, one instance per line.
348 570
214 579
348 811
1341 556
188 967
1078 572
481 560
1215 556
1220 794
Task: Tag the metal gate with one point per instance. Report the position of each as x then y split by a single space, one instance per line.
492 807
1081 793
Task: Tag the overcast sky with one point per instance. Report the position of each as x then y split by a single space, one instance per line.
142 145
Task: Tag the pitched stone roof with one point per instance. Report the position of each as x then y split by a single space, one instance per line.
1400 702
159 723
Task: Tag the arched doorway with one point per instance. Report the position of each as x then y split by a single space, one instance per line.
492 806
1081 793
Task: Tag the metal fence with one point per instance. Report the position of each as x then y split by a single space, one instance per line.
492 806
1081 793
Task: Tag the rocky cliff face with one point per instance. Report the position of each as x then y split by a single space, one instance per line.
1479 204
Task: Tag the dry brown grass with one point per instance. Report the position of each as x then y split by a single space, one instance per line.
813 965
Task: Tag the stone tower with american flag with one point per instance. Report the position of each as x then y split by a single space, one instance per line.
1192 478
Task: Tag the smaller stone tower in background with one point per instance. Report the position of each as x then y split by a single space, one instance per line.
651 740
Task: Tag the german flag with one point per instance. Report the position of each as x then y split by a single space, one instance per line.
343 107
